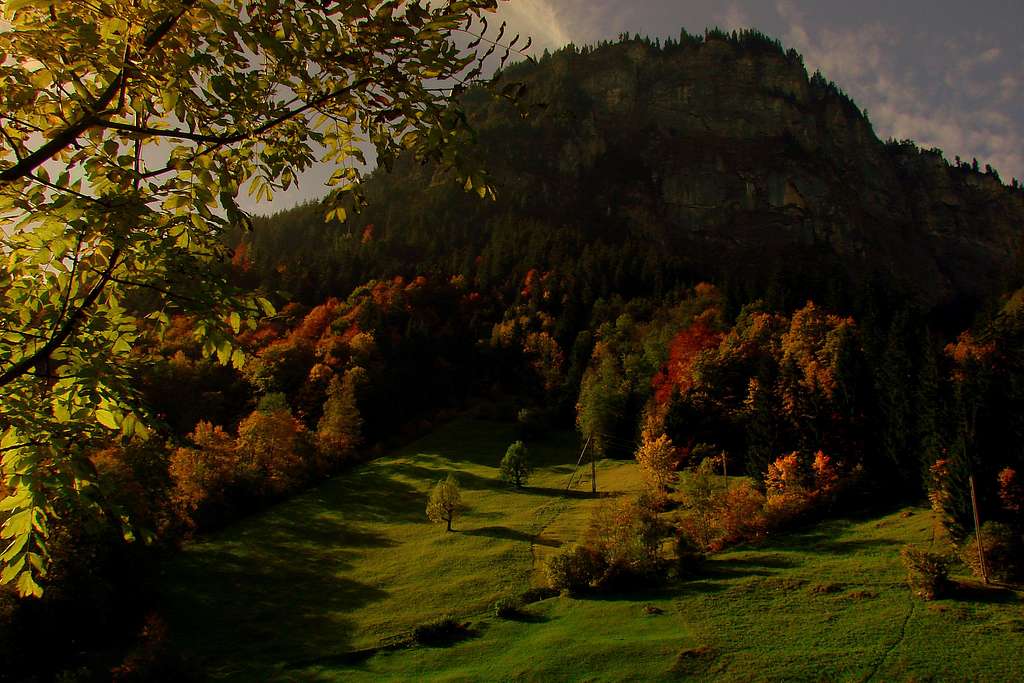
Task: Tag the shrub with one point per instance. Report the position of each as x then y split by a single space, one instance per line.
927 572
439 631
1002 552
628 536
506 608
742 516
703 499
575 570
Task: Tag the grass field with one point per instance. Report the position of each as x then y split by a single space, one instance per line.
308 590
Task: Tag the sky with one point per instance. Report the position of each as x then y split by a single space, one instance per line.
944 73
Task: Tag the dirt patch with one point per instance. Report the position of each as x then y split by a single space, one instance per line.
825 589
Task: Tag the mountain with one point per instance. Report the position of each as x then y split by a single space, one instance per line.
634 166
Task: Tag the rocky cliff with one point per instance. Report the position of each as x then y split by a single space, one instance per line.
721 156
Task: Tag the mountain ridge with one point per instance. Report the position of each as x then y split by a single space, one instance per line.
714 157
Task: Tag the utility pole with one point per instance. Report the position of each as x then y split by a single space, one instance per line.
977 531
593 473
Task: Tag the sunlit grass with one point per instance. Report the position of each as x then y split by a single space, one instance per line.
309 589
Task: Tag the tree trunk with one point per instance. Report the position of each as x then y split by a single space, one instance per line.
449 520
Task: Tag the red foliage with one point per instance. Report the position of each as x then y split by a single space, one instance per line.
684 350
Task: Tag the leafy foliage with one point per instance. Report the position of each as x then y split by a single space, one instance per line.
128 131
445 502
927 572
514 466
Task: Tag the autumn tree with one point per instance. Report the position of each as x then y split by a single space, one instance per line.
338 431
445 501
128 129
514 466
658 460
273 442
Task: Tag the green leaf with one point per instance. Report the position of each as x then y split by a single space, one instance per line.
27 586
14 547
12 569
235 321
18 524
107 419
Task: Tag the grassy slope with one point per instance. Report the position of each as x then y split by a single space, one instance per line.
289 593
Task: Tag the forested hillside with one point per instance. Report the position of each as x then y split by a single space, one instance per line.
631 167
697 255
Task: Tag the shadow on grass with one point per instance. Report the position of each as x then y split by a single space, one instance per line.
503 532
971 591
527 618
272 587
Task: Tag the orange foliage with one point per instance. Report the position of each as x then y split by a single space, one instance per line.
203 475
825 476
1011 490
368 234
968 351
273 443
742 515
240 258
318 320
782 480
658 458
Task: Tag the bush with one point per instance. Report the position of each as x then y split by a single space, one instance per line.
927 572
742 517
439 631
628 536
506 608
575 570
1002 552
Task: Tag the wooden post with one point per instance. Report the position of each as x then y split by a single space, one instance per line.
725 470
578 461
977 531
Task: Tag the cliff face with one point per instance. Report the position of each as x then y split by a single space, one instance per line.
719 157
732 157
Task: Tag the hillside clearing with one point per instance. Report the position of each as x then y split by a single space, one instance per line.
310 589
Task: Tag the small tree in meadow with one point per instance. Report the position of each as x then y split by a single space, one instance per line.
657 459
514 466
445 501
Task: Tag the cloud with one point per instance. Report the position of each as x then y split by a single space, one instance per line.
551 24
734 18
961 107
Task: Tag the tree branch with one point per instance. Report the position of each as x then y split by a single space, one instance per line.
60 335
70 134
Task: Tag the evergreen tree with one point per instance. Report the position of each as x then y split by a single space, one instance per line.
514 466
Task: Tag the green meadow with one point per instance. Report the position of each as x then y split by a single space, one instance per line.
327 587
